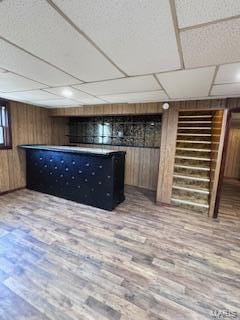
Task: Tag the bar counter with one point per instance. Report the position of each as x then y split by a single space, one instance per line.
86 175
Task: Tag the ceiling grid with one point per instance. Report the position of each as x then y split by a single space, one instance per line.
68 53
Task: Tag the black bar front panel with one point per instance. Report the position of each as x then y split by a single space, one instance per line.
96 180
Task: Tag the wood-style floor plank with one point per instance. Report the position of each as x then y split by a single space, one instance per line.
230 199
60 260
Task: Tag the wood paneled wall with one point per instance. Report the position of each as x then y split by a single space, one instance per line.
141 167
216 149
168 142
169 126
136 108
232 166
59 126
109 109
30 124
141 163
33 125
167 155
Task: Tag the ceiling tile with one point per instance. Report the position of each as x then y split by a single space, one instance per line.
137 97
194 12
226 89
11 96
134 84
77 95
38 28
3 70
74 94
18 61
93 100
228 73
187 83
138 35
56 103
12 82
211 44
29 95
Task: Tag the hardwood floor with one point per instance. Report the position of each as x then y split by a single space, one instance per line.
230 199
65 261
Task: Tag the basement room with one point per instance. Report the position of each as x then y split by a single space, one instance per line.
119 159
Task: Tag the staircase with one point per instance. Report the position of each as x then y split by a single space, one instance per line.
191 179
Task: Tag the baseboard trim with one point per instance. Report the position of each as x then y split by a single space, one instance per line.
10 191
163 204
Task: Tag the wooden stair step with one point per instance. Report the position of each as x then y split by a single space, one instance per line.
195 134
196 116
194 149
190 203
195 122
195 128
191 172
192 178
192 167
196 141
195 197
188 189
196 112
193 158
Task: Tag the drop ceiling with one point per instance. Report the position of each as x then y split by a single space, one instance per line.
111 51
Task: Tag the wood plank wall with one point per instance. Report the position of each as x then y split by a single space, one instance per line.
167 155
232 166
165 176
137 108
215 150
168 142
141 167
141 163
109 109
30 124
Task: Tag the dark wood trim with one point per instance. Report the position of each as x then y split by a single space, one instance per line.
10 125
9 138
236 109
12 190
224 158
6 147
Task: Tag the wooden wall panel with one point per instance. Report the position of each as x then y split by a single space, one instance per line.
216 131
59 131
30 124
233 103
141 163
166 164
232 166
219 126
210 104
136 108
109 109
167 155
141 168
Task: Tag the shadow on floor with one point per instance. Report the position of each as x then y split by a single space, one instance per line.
230 199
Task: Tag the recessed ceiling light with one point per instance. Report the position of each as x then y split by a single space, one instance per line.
67 93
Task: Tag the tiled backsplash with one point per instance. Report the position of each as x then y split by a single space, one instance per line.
134 131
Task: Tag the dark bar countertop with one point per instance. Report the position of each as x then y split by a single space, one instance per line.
94 151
